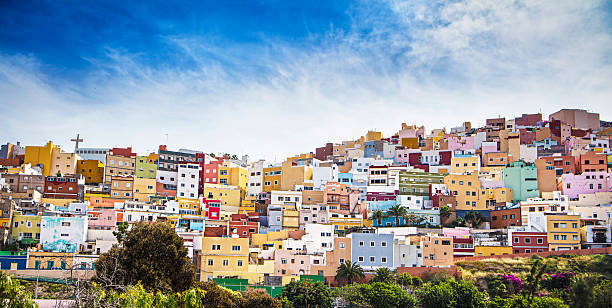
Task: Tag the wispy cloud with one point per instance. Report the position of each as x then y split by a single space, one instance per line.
400 61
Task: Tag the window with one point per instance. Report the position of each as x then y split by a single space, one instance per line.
383 259
360 259
528 240
361 243
383 244
236 248
372 259
239 262
210 262
225 262
372 244
341 245
283 261
540 241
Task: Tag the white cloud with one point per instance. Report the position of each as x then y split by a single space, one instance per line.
480 59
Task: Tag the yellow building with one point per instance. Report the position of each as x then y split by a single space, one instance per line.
291 218
498 195
189 205
47 260
492 250
373 135
272 239
122 187
293 174
563 231
143 189
26 228
41 156
465 164
272 178
63 163
301 156
467 192
92 170
117 165
247 205
234 175
58 202
342 222
224 256
228 195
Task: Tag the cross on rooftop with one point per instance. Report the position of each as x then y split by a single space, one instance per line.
76 142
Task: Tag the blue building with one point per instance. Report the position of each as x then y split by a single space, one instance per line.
373 148
372 251
345 178
10 260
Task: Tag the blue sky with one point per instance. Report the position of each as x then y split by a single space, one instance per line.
275 78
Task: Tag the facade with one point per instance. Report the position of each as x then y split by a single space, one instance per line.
145 168
21 183
505 218
577 118
91 170
529 242
228 195
122 187
585 183
523 179
223 256
144 188
64 187
117 165
64 234
188 180
372 251
563 232
26 228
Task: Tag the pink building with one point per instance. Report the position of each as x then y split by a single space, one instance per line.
488 147
102 219
291 262
461 143
585 183
211 209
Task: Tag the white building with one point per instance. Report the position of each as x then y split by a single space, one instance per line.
188 180
255 182
322 175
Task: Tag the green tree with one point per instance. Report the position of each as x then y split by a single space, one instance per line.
308 294
378 215
252 298
121 231
13 295
384 295
474 218
404 280
451 293
397 211
152 254
349 271
383 274
445 213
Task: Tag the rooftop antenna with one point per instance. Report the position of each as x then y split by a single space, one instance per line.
166 138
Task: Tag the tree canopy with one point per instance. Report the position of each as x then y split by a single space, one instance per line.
152 255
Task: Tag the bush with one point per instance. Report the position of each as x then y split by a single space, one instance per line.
450 293
12 294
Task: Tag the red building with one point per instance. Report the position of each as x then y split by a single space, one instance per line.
165 190
126 152
504 218
565 164
64 187
528 119
463 247
323 152
244 225
211 208
529 242
209 171
593 162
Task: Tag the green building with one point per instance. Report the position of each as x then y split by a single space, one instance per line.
522 177
417 183
144 168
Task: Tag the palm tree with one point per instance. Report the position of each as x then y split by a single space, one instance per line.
349 271
383 274
397 211
378 215
473 218
445 213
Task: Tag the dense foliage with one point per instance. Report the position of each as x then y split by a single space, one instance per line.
12 294
150 254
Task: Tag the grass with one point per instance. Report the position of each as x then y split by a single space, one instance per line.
594 264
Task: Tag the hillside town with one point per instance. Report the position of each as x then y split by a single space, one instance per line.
414 200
